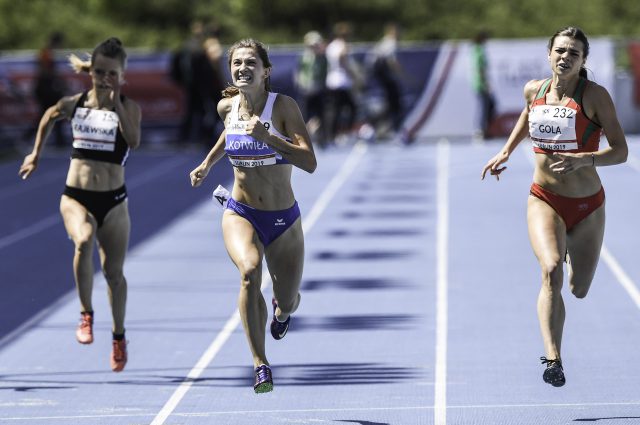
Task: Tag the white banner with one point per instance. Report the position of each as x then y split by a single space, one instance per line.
512 63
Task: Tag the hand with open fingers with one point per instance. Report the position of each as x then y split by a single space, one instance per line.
28 166
493 166
567 162
198 175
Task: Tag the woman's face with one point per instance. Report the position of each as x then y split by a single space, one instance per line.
566 56
106 73
247 69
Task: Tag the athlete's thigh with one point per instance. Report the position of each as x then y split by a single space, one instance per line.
547 232
241 241
285 255
80 224
584 243
113 236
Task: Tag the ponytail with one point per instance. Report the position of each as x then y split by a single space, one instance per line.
230 91
111 48
79 65
583 73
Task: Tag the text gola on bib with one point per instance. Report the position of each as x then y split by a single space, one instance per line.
562 128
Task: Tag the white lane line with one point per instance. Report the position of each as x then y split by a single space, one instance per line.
623 278
36 319
318 208
31 230
324 410
442 238
621 275
20 186
54 219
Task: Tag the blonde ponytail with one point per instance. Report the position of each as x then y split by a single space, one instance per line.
79 65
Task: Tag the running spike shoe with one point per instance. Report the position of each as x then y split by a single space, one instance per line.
84 332
278 329
118 355
264 381
554 373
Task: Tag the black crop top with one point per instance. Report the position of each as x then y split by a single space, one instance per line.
96 134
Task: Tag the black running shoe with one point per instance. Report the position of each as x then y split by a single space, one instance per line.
553 374
264 381
278 329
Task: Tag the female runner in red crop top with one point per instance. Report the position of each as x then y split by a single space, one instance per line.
564 117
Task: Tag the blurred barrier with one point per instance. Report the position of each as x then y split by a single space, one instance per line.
448 105
436 85
161 100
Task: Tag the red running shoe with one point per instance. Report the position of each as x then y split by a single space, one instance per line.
119 355
84 332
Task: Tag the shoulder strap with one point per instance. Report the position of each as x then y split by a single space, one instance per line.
268 107
235 107
577 96
543 89
79 103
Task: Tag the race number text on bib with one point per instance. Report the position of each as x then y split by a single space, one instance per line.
94 129
553 127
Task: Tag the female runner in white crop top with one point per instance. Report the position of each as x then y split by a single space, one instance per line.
261 189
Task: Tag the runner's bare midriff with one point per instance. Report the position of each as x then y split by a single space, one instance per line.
88 174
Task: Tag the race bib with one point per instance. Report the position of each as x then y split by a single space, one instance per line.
553 127
94 129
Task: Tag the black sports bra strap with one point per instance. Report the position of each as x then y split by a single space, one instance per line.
79 103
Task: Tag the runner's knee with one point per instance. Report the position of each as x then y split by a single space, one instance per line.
552 273
84 243
249 276
113 275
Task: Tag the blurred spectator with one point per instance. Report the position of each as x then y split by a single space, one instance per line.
310 80
8 88
213 80
49 85
480 80
196 68
383 64
343 78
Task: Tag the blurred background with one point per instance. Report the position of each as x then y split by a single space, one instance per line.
177 59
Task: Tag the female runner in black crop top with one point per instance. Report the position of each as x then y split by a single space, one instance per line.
105 126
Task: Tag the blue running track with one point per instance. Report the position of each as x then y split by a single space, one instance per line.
418 301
